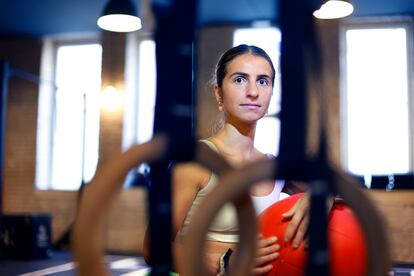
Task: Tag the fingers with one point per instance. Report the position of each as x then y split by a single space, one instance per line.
301 232
263 242
301 204
299 220
267 251
267 254
289 214
298 225
262 270
266 259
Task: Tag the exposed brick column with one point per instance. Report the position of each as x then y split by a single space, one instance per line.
111 119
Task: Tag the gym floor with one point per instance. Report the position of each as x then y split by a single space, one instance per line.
61 263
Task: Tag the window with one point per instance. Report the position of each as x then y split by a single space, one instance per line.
268 128
68 116
140 89
376 103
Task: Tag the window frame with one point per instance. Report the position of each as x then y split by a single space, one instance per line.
131 118
51 44
405 22
132 78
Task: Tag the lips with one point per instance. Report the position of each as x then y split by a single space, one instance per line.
251 106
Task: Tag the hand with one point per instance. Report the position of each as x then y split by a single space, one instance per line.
266 252
299 220
299 216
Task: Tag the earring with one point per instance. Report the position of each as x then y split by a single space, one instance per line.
220 106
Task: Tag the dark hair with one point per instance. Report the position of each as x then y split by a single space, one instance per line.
232 53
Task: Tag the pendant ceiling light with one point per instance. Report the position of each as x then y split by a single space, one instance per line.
333 9
119 16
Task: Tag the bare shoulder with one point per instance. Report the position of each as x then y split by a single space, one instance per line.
191 173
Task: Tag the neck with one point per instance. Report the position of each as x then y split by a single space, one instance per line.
237 140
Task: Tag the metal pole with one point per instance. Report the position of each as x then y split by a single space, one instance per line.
301 60
4 79
174 116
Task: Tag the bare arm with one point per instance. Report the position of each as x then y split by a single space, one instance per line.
187 179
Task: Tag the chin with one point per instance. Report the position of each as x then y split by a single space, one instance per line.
251 120
256 117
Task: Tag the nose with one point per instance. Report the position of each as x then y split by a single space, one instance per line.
252 90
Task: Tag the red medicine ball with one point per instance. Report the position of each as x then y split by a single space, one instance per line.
348 254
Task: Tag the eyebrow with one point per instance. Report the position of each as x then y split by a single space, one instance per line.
246 75
239 74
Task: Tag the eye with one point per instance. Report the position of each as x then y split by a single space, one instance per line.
239 80
263 82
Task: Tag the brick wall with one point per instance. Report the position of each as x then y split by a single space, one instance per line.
397 208
19 195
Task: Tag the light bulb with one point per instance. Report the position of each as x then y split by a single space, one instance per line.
333 9
119 23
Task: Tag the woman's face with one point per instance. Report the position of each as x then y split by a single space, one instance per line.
246 89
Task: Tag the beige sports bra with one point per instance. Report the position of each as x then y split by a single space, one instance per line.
224 227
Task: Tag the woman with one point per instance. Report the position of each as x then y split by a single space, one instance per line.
243 89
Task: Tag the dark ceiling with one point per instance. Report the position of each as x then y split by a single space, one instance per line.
46 17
